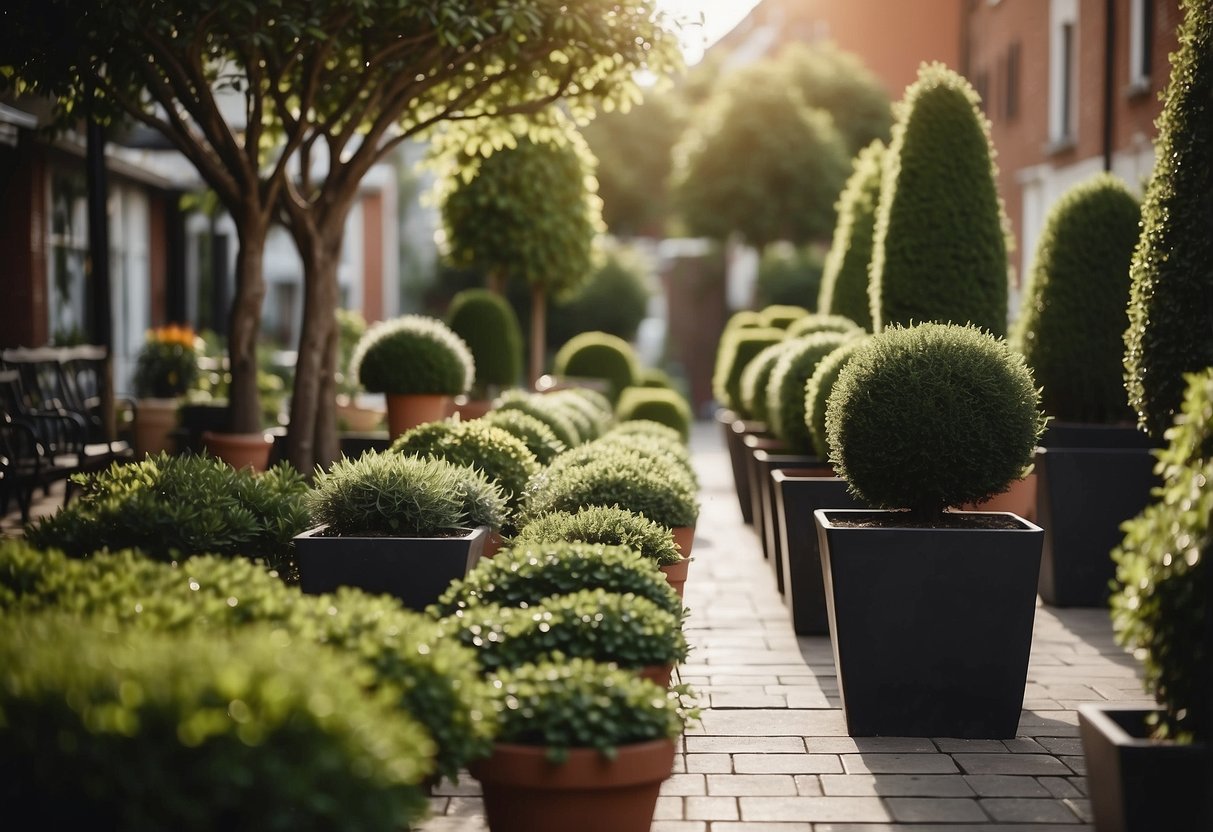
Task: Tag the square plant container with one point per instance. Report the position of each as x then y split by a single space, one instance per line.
772 543
932 627
752 443
735 430
415 570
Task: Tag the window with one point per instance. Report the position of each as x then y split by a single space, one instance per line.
1063 71
1010 101
1141 44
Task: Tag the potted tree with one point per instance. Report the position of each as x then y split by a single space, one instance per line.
166 366
418 363
487 324
927 608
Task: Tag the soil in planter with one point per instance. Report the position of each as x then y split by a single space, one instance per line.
443 533
905 520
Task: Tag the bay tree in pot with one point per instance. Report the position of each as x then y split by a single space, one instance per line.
929 608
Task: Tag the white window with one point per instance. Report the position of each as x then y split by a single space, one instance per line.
1063 71
1141 44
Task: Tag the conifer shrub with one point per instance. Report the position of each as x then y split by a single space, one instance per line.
1071 327
781 315
656 377
666 407
817 394
754 380
413 354
501 456
537 436
820 322
736 349
599 355
940 248
645 427
932 416
591 421
669 459
536 407
488 325
786 386
533 569
1171 299
611 526
844 280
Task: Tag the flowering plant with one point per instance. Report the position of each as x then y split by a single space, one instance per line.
168 362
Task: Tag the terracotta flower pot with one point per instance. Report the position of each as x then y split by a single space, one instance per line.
1019 498
684 536
525 792
658 674
155 419
676 574
240 450
492 545
407 412
472 408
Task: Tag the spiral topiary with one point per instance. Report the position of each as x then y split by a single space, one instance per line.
664 406
502 457
1073 319
610 526
932 416
534 406
818 322
844 281
781 316
817 393
785 387
602 356
736 349
487 324
537 436
754 379
413 354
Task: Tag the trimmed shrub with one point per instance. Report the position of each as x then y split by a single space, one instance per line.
176 506
812 324
736 349
413 354
537 436
533 569
656 377
667 459
781 316
786 385
1072 321
788 275
599 355
613 299
151 731
535 407
743 319
645 427
844 279
648 443
590 420
940 248
628 481
608 526
663 406
754 380
487 324
817 393
932 416
393 495
599 401
500 455
1171 300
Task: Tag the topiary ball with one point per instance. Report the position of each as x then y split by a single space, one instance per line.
599 355
932 416
413 355
487 324
538 437
811 324
736 349
656 405
754 380
785 387
817 394
611 526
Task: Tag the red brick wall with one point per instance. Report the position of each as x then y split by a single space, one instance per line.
23 314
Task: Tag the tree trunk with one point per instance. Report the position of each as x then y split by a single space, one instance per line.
496 282
538 331
244 400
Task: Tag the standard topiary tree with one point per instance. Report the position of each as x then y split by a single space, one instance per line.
940 248
1072 322
664 406
817 394
785 387
844 280
754 380
736 349
932 416
488 325
1171 301
599 355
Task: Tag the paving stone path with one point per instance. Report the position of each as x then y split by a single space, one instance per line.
772 753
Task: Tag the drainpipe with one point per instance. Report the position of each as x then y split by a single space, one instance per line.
1109 81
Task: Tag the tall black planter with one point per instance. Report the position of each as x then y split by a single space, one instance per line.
735 431
766 464
931 627
758 442
1137 784
1085 435
796 498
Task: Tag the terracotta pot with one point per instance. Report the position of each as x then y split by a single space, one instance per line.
1019 498
676 574
240 450
155 420
524 792
492 545
684 536
658 674
472 408
407 412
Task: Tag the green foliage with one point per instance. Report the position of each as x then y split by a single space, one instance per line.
656 377
626 629
537 407
736 349
932 416
601 356
646 427
786 386
940 248
598 400
781 316
176 506
1071 327
391 495
1161 606
668 458
351 326
575 703
821 322
149 731
839 83
788 275
1171 299
754 379
587 414
614 299
167 364
817 394
501 456
537 436
664 406
413 354
539 565
488 325
844 279
601 525
743 319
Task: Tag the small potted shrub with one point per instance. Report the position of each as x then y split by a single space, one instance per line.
396 524
647 445
599 355
664 406
537 436
487 324
930 609
418 363
588 406
165 368
537 407
579 740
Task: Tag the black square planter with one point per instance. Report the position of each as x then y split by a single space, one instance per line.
735 431
754 442
767 464
931 628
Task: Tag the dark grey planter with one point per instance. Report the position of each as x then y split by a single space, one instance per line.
796 498
1086 435
758 442
1082 496
768 463
1137 784
735 431
415 570
931 628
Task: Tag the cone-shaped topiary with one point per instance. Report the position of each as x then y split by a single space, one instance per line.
599 355
656 405
819 322
782 315
844 282
413 354
1072 323
487 324
536 407
503 457
932 416
817 394
612 526
737 348
940 248
754 380
1171 301
537 436
785 387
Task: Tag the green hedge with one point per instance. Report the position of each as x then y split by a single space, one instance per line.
844 280
754 379
817 394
